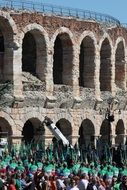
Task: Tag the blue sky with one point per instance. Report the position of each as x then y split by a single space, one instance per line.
115 8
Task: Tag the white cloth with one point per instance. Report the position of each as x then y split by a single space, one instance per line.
60 184
73 188
83 183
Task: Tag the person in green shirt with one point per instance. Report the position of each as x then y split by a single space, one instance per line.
109 173
18 181
101 172
83 169
115 183
92 171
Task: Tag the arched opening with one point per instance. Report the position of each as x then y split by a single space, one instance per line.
1 54
5 131
86 133
34 57
65 127
63 60
29 54
87 64
33 131
6 48
120 66
105 132
120 130
105 66
28 132
58 62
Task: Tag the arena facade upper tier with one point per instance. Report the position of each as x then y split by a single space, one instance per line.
71 70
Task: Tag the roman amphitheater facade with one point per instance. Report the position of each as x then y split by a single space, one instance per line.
68 69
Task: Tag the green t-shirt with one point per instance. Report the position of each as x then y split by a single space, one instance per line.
66 172
18 184
84 170
20 167
13 165
39 165
1 184
101 173
33 168
116 186
48 169
75 168
109 174
93 172
115 171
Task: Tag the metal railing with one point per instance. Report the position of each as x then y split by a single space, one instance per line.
59 11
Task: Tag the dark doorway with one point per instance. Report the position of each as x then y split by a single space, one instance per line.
105 131
63 60
29 54
87 64
28 132
58 62
5 131
120 132
120 65
66 129
105 66
86 133
1 54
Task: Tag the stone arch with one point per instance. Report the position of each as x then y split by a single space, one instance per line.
105 63
105 131
62 43
65 127
120 63
31 114
38 55
66 115
2 49
7 30
120 132
88 45
6 130
33 131
10 121
86 133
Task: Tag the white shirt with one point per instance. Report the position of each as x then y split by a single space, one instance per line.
73 188
83 183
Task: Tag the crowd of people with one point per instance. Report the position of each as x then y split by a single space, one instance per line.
30 169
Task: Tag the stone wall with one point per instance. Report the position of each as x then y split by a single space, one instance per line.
91 67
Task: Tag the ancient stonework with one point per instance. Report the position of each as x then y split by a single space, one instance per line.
73 71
